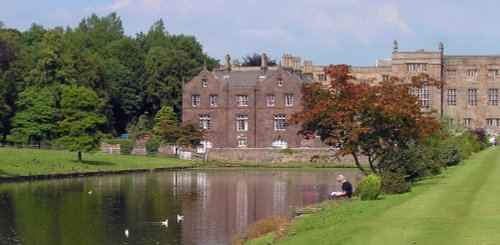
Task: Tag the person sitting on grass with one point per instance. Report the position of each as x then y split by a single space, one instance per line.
346 188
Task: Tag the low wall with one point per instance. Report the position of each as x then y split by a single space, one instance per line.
317 155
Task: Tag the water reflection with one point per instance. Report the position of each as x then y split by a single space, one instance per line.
215 205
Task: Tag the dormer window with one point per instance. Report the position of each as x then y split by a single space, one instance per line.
204 83
280 82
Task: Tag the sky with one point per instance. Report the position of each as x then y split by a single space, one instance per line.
354 32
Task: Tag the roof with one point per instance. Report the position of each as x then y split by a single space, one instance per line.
252 77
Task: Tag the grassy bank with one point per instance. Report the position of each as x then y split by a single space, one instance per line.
459 207
26 162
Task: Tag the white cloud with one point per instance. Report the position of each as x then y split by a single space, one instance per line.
119 4
388 15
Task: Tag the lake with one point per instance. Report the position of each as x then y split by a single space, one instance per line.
215 205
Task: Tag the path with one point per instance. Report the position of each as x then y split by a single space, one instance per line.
463 208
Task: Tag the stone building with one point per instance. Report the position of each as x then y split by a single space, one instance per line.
246 107
468 97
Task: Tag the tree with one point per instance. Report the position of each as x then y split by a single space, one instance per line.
362 119
170 131
255 60
81 118
36 116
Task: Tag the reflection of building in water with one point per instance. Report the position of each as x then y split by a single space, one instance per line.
310 194
241 204
279 191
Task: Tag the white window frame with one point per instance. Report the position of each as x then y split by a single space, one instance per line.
279 143
242 142
467 122
270 100
451 97
422 67
195 100
492 72
492 122
493 97
451 73
411 67
471 72
241 100
214 100
204 83
279 82
288 99
204 122
280 122
242 123
472 97
423 94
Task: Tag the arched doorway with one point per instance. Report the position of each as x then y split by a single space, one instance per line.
279 143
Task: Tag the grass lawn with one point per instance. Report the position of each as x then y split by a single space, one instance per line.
25 162
462 206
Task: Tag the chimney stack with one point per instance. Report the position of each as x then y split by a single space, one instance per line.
227 64
263 62
395 46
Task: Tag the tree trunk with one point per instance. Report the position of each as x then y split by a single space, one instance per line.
80 157
358 164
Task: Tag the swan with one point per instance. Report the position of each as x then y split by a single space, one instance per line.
126 233
165 223
180 218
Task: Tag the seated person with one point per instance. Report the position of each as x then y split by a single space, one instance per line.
346 188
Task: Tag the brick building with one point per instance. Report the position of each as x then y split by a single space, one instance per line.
246 106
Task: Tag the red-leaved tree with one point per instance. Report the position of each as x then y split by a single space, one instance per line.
364 119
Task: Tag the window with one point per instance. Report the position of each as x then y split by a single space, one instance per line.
280 82
204 83
471 73
416 67
270 100
214 100
321 77
279 122
493 122
279 143
204 121
423 95
451 73
385 78
493 97
422 67
466 122
451 97
195 100
492 72
241 100
242 123
472 97
288 99
242 142
411 67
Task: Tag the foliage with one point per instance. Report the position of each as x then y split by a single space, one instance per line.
262 227
370 187
364 119
140 126
152 147
287 151
81 117
37 115
126 147
394 183
169 131
256 60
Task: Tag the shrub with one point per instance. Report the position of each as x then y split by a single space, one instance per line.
261 227
451 155
394 183
369 188
416 162
152 147
288 151
126 147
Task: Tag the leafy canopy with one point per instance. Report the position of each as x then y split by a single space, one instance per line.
364 119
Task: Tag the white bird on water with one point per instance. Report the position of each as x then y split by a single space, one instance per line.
180 218
126 233
165 223
90 192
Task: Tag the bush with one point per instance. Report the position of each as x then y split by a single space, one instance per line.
126 147
394 183
261 227
288 151
451 155
152 147
369 188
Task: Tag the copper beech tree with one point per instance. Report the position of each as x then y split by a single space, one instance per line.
363 119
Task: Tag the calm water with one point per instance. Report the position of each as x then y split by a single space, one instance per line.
215 204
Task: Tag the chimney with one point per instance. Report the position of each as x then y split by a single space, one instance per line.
263 62
287 61
308 66
227 64
395 46
441 47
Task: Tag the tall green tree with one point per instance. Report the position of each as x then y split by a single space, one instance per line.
36 118
81 118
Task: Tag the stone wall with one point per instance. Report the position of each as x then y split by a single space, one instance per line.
318 155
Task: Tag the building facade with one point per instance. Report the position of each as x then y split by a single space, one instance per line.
245 107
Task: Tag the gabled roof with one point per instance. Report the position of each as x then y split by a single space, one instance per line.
252 77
